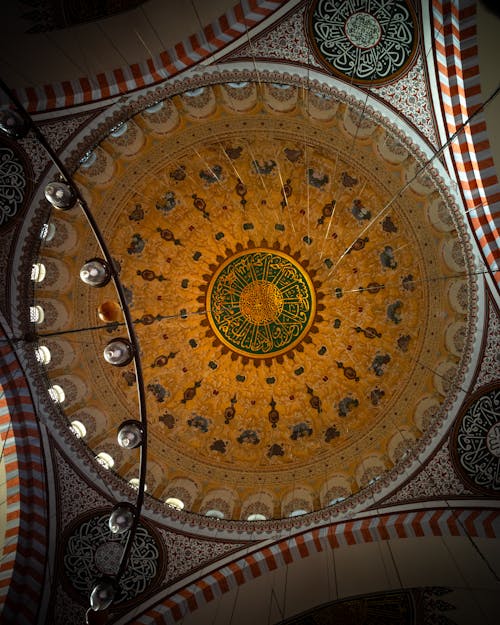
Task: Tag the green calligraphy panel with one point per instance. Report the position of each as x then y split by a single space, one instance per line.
261 303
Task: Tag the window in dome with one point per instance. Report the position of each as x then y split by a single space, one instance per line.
238 85
47 232
105 460
256 517
154 108
192 93
119 130
43 355
175 503
134 482
322 96
38 272
88 159
336 500
37 314
298 512
78 429
57 394
216 514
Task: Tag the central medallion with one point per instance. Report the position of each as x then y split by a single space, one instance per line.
261 303
363 30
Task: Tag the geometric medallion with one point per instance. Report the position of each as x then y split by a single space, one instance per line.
260 303
92 551
477 442
364 45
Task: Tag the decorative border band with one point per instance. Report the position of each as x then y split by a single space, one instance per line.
455 40
199 46
424 523
22 566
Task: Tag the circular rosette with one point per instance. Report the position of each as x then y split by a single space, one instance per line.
365 47
91 551
260 303
477 443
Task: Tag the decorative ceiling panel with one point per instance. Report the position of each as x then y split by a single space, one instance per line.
296 340
364 42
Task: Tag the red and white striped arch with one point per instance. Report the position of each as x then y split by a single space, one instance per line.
199 46
22 564
421 523
455 40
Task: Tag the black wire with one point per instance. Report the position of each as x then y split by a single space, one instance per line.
420 170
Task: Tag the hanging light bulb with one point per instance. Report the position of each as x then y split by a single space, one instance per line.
109 311
95 272
118 352
60 195
130 434
12 124
121 518
103 594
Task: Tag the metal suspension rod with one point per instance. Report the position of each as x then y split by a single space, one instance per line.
126 311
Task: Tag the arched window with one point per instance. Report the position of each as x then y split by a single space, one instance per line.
119 130
154 108
38 272
57 394
298 512
134 482
174 502
37 314
256 517
336 500
216 514
43 355
78 429
88 160
193 93
47 232
238 85
105 460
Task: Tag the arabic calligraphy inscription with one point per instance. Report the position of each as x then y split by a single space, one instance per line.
261 303
364 46
478 442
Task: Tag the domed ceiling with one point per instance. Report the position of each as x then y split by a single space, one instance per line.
297 290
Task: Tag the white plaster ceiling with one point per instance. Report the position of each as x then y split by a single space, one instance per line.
92 48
